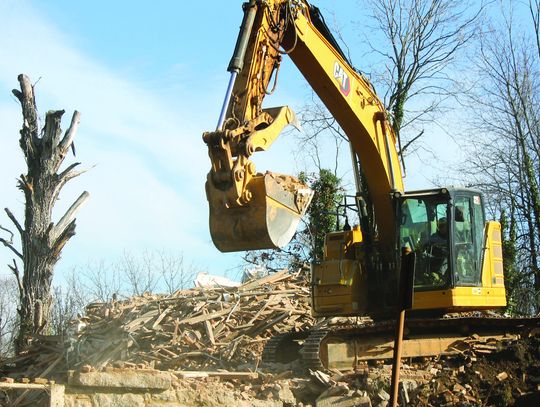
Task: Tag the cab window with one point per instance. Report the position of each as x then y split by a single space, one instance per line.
424 229
468 233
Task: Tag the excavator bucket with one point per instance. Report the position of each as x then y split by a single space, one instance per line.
269 220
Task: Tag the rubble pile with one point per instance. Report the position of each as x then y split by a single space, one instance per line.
196 329
202 328
44 358
210 341
493 373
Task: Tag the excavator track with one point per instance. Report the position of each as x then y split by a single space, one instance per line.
312 348
346 348
284 348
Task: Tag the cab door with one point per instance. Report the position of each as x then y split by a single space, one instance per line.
424 229
468 230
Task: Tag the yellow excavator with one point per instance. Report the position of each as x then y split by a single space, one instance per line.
458 255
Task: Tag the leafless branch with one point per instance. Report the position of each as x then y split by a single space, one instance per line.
410 142
17 275
69 216
14 220
9 243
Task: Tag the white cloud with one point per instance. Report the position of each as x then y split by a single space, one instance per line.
147 189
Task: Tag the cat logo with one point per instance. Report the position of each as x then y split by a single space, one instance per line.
342 79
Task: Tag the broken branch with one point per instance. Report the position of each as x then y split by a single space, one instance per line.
15 271
14 220
9 245
70 134
69 216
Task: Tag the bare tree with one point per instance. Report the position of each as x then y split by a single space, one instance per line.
422 41
174 273
417 45
155 270
8 315
150 271
100 281
139 272
505 161
68 301
42 240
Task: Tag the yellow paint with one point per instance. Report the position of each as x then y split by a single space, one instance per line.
460 299
360 114
490 295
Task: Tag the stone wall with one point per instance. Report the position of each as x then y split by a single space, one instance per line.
150 388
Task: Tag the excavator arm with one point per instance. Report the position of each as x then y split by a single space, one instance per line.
250 210
351 100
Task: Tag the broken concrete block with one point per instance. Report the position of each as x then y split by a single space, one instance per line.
133 379
343 401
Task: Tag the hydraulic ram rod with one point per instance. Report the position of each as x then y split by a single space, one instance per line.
237 61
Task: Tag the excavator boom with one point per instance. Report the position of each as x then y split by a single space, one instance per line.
250 210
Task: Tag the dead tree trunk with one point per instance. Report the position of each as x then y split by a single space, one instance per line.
41 239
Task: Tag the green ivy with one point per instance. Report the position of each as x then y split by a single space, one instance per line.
322 212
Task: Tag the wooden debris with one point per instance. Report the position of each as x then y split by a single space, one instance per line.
502 376
196 329
221 374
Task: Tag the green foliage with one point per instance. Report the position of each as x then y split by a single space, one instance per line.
322 212
308 243
509 248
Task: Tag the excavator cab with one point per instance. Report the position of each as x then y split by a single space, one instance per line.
458 259
458 255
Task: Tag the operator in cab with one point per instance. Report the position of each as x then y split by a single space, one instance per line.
436 256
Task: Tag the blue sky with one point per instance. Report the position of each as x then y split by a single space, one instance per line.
148 80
